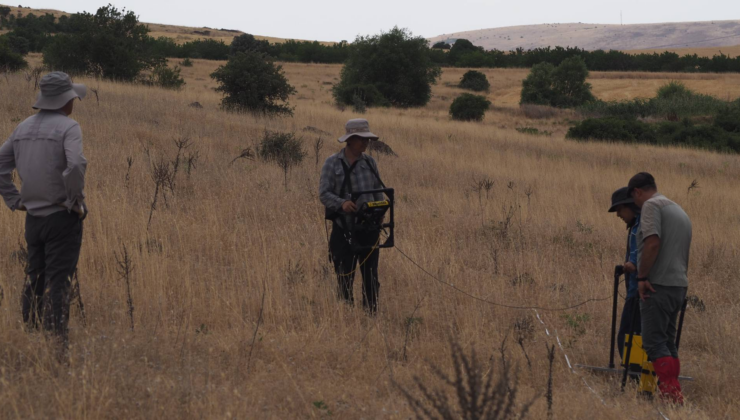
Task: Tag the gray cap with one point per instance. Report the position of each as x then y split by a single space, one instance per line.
357 127
56 90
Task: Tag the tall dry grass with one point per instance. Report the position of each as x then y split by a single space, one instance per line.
540 236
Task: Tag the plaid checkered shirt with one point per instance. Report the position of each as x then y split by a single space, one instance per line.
362 179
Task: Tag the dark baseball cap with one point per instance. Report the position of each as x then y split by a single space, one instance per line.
620 196
641 180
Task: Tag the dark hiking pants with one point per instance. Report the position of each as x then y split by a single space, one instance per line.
345 260
630 320
659 314
54 245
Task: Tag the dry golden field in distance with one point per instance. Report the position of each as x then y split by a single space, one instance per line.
540 236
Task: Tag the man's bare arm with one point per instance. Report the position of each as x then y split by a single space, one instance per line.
650 251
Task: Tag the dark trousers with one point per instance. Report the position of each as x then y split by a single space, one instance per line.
630 320
659 314
345 260
54 245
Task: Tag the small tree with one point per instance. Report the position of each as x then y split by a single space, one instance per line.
569 83
9 59
4 11
474 80
469 107
247 42
562 86
111 43
250 81
283 149
396 63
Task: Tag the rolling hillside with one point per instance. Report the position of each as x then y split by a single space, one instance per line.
655 36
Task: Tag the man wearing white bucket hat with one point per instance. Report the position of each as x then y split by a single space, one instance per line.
344 172
46 151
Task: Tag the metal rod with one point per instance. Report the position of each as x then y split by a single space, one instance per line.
628 350
618 270
680 322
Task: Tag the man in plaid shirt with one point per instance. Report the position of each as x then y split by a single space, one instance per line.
335 189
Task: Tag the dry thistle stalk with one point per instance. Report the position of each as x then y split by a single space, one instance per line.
161 174
478 397
317 146
551 359
124 269
129 162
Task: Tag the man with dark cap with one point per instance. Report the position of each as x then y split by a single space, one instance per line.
624 206
664 241
344 172
46 151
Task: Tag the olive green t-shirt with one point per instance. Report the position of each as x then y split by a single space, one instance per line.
662 217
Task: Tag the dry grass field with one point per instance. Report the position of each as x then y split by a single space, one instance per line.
203 343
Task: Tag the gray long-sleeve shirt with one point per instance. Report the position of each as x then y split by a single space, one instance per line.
46 150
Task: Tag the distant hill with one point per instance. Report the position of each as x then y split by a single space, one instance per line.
653 36
181 34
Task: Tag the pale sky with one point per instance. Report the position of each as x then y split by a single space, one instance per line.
335 20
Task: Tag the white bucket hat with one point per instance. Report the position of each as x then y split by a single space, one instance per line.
56 90
357 127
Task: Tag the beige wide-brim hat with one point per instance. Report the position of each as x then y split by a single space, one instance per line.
56 90
357 127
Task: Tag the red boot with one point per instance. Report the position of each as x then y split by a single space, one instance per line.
667 369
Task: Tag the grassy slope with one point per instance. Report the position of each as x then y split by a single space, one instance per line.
231 229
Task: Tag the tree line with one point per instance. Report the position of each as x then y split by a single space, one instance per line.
464 54
33 33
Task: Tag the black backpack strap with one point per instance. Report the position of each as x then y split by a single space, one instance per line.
375 172
347 184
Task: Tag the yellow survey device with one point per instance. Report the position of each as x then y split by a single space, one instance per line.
638 362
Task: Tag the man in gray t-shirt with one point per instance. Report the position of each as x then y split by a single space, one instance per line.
663 242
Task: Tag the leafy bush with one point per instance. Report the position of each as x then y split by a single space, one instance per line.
369 94
673 101
563 86
10 60
397 64
252 82
474 80
685 133
165 77
110 43
469 107
186 63
612 129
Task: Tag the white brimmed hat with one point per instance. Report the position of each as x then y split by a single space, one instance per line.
56 90
357 127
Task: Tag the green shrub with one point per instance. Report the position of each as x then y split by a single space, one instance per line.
728 119
563 86
683 133
283 149
186 63
252 82
612 129
396 63
10 60
673 101
475 81
165 77
441 45
469 107
369 94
